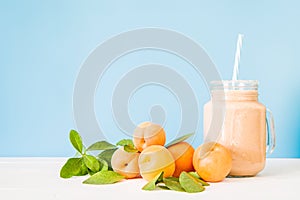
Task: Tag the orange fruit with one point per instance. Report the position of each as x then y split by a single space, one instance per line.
212 161
125 163
155 159
147 134
182 153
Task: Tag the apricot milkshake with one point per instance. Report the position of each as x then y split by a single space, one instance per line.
244 127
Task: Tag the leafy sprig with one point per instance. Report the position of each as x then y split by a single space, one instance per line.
97 167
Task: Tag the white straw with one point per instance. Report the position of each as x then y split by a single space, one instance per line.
237 57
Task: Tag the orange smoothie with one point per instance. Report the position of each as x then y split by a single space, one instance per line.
243 130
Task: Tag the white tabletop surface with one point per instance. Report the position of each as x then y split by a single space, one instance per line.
38 178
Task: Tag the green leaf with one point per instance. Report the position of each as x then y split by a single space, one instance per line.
130 149
71 168
102 145
124 142
83 169
172 178
195 175
106 155
163 187
173 184
151 185
104 165
90 172
128 145
189 183
180 139
104 177
76 141
91 162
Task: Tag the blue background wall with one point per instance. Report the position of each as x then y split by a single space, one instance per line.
43 44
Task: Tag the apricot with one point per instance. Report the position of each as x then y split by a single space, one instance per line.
147 134
155 159
182 153
212 161
125 163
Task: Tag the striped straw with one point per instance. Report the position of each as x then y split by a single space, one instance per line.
237 57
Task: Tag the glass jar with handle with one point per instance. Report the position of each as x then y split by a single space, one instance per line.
248 127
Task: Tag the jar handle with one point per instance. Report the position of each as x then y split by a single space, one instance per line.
271 138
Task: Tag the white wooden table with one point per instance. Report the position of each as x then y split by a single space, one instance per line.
38 178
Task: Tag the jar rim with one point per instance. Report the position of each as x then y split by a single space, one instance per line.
234 85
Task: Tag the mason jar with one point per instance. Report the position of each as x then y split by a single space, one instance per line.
247 128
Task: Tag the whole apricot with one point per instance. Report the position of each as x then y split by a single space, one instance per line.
147 134
182 153
125 163
155 159
212 161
